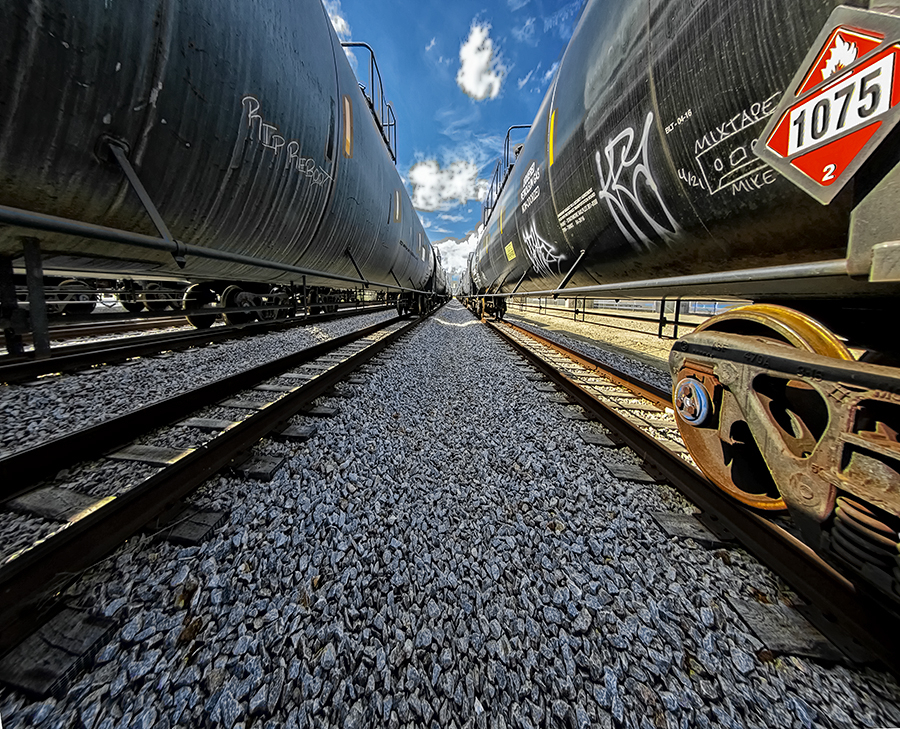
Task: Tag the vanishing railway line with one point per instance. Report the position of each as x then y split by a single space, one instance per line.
261 400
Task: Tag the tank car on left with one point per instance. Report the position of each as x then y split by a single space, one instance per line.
218 143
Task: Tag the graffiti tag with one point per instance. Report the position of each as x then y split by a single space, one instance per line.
267 135
629 190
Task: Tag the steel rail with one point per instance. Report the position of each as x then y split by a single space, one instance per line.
87 329
20 470
117 322
13 369
646 390
863 617
41 570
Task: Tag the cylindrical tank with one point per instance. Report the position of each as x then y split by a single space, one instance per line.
243 121
440 283
641 157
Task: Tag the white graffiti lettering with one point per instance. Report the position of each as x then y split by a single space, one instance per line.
754 182
266 135
690 178
740 121
542 254
629 190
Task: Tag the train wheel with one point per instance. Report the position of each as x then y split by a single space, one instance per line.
130 298
155 298
277 297
235 296
200 296
72 297
711 421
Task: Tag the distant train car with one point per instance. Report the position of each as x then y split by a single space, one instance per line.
740 149
244 128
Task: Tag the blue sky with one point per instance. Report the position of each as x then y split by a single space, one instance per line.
459 74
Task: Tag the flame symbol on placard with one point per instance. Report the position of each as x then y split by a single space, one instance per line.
842 55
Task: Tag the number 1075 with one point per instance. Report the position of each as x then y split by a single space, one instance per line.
854 101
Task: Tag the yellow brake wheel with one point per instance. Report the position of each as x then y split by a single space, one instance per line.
710 419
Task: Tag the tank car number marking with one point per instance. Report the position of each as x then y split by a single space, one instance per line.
530 190
574 213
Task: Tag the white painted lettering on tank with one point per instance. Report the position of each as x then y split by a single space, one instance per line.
737 123
754 181
267 136
630 191
251 109
725 154
541 253
690 178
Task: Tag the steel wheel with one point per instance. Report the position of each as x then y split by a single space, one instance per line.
130 298
196 297
155 297
710 419
71 297
235 296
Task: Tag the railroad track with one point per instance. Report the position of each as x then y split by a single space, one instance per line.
641 416
79 356
267 396
61 332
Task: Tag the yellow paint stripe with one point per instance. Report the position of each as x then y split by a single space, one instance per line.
552 130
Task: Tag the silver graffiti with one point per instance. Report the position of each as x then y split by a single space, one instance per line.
542 254
630 192
266 135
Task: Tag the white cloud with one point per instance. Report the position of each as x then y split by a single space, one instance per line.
455 251
436 188
522 81
431 44
516 4
548 77
452 218
525 34
341 26
480 71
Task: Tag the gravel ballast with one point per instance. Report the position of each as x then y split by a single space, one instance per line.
650 370
55 405
445 552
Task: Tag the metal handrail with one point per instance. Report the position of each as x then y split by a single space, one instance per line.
382 110
54 224
490 200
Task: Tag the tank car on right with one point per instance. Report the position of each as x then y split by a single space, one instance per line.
745 149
